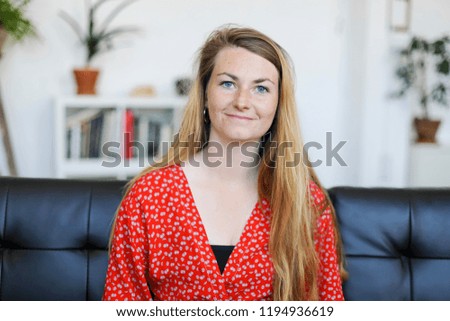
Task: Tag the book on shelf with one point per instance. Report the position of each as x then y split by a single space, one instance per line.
128 134
95 136
87 130
143 134
152 133
108 133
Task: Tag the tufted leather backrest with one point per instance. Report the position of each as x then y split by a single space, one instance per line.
54 237
397 242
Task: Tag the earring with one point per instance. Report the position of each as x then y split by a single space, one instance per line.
206 115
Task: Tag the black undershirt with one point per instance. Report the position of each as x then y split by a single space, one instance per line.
222 253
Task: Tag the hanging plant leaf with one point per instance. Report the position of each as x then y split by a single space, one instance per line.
73 24
415 44
439 47
113 14
117 31
443 67
439 94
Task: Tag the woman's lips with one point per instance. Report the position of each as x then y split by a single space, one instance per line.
239 117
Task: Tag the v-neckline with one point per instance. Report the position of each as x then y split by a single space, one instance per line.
209 249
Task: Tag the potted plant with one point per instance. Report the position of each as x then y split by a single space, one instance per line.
97 38
13 21
424 68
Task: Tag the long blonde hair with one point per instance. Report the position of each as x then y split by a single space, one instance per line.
294 218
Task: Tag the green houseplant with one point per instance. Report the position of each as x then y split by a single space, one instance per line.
13 21
424 69
97 38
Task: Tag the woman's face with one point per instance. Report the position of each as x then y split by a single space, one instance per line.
241 96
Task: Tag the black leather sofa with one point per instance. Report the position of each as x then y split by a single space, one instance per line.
54 236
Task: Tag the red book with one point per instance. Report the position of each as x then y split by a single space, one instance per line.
128 134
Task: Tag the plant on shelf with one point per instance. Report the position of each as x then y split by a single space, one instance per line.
425 68
13 21
97 38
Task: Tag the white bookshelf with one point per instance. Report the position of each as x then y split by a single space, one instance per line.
105 166
429 165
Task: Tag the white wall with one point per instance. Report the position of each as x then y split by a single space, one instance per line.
342 51
385 123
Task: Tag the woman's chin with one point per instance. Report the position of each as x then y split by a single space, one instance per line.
236 137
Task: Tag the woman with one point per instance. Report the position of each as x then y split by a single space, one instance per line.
230 213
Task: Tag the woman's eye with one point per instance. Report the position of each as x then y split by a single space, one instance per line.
261 89
227 84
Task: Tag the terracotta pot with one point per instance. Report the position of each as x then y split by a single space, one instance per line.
426 130
86 79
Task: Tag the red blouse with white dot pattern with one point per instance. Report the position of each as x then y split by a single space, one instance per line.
160 249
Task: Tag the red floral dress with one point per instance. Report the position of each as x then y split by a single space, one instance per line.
160 249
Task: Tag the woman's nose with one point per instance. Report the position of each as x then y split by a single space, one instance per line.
242 99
